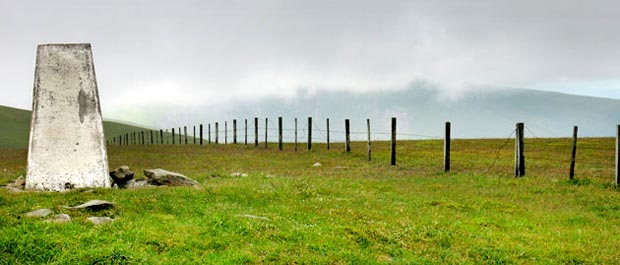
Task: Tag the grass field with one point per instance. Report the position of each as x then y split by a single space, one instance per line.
346 211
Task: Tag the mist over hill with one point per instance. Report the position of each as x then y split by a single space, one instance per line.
421 110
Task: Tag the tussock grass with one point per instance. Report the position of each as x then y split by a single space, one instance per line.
346 211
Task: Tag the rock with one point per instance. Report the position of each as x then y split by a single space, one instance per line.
100 220
20 182
93 205
161 177
60 218
138 183
317 164
238 174
253 217
13 189
121 176
39 213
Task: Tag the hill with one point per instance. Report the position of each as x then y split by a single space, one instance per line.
421 109
15 128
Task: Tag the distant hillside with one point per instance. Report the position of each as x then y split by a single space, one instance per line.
15 128
421 109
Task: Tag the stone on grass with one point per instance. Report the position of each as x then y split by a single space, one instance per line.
93 205
253 217
121 176
100 220
238 174
39 213
317 164
162 177
138 183
20 182
60 218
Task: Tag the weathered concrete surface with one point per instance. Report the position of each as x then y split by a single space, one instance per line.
67 147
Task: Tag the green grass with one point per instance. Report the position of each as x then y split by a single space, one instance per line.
346 211
15 128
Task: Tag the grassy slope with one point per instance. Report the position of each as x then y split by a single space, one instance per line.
346 211
15 127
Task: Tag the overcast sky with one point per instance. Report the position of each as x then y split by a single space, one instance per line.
195 52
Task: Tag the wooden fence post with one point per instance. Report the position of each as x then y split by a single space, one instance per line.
151 136
209 133
393 143
519 156
234 131
126 138
161 136
327 133
280 133
185 133
194 136
309 133
295 134
571 173
180 141
446 147
246 132
167 137
134 141
217 133
255 132
225 132
173 136
617 155
200 129
347 136
369 151
266 128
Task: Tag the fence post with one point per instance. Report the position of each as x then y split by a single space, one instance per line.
519 157
446 147
327 133
180 140
173 136
234 131
295 134
309 133
225 132
280 133
571 174
151 136
347 136
209 133
617 155
200 129
126 138
246 132
161 136
255 132
393 143
217 133
185 133
266 128
369 151
134 140
167 137
194 134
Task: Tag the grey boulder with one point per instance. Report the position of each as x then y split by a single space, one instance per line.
93 205
161 177
100 220
121 176
39 213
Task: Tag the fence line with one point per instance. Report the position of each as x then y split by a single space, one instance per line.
323 135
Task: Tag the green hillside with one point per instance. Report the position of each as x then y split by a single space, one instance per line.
15 127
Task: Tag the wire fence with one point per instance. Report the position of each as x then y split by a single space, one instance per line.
269 131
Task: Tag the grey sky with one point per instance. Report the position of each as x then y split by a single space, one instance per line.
196 52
